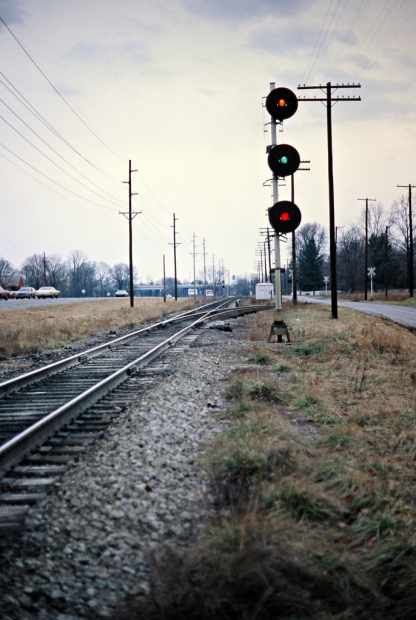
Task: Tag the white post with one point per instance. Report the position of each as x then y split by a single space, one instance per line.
277 281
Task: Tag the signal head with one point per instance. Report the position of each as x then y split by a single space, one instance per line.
283 160
284 216
281 103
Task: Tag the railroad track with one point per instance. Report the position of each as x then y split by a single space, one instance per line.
48 416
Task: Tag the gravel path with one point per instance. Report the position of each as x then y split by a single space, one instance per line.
89 543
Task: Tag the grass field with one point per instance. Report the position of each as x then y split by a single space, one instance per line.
314 482
36 329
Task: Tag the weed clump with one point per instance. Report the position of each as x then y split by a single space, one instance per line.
263 391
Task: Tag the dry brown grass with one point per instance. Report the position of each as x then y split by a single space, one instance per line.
314 482
36 329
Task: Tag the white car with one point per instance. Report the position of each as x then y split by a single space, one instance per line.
47 291
121 293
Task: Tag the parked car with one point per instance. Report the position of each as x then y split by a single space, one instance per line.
26 292
121 293
3 293
47 291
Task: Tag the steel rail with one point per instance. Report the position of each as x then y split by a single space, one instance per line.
32 437
16 383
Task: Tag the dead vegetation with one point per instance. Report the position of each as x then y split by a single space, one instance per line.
36 329
313 480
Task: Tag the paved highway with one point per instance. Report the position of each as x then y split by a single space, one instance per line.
405 315
24 304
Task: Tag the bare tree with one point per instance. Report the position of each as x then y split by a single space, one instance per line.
120 275
103 275
34 270
7 272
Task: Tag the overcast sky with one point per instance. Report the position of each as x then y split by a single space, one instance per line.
176 86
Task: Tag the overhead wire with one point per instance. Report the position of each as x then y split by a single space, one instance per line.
55 151
58 166
321 36
55 89
31 108
51 180
325 38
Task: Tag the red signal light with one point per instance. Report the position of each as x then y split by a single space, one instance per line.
284 216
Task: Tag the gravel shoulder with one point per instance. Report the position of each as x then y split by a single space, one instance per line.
90 543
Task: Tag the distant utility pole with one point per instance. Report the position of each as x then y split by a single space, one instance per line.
336 233
194 261
410 259
267 231
175 243
367 200
164 279
269 253
213 273
329 100
266 277
205 266
130 215
44 269
386 261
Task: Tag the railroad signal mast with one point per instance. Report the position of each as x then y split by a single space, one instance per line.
283 160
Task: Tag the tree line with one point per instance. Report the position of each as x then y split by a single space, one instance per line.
388 251
74 277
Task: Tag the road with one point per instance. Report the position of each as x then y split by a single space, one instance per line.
404 315
24 304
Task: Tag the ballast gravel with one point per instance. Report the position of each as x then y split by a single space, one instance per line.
89 544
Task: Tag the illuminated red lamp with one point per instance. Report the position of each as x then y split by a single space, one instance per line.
284 216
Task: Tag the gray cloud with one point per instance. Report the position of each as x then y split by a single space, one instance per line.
132 50
244 9
363 62
11 11
280 42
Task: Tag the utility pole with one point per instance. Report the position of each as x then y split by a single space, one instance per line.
410 258
175 243
164 279
277 276
130 215
213 275
44 269
268 253
205 267
266 277
367 200
329 100
266 231
193 260
336 233
386 257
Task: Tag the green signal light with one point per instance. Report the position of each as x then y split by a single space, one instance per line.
284 159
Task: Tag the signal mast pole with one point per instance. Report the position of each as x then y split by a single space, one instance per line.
277 282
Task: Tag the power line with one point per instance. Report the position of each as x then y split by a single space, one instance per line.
51 148
54 88
3 146
58 166
33 110
324 35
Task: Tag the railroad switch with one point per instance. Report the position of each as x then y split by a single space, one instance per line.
279 329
